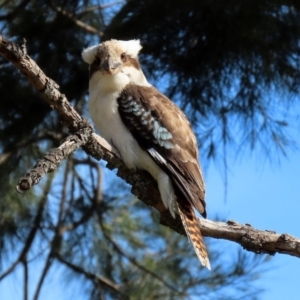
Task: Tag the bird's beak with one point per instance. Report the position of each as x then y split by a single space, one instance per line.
110 65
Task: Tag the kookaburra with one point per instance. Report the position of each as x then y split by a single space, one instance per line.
149 131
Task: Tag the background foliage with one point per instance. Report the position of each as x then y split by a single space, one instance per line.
233 67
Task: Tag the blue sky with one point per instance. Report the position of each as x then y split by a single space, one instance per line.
268 197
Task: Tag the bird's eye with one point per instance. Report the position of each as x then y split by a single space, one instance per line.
123 57
97 61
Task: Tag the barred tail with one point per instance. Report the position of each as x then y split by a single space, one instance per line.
192 230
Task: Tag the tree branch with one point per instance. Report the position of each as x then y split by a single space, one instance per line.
251 239
82 25
99 7
54 157
34 229
25 266
133 260
97 278
14 12
143 186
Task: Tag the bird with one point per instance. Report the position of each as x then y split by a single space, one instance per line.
148 130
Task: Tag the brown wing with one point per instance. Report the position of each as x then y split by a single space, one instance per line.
163 130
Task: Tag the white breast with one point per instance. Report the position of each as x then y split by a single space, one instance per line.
103 109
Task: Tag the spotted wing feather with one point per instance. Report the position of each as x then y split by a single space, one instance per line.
163 130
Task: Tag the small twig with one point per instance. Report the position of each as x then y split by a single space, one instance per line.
97 278
63 194
82 25
85 217
48 263
98 193
96 200
133 260
25 265
13 13
54 248
56 241
97 188
99 7
53 158
50 135
10 269
34 229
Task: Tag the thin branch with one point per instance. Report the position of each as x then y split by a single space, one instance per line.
50 135
83 185
133 260
46 268
35 227
85 217
97 278
53 159
25 266
82 25
98 193
63 194
97 187
99 7
143 185
54 248
96 199
10 269
15 11
56 241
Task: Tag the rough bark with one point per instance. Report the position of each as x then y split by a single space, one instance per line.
143 186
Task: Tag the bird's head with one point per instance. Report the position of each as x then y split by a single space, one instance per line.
113 57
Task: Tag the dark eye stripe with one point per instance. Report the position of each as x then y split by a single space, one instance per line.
123 57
